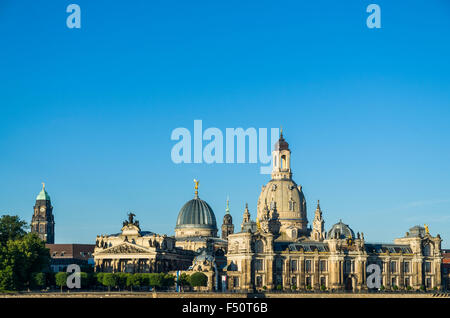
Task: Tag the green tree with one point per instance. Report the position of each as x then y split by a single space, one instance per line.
7 278
121 279
11 228
155 280
99 278
61 279
134 280
25 256
198 279
145 279
168 280
109 280
39 280
183 280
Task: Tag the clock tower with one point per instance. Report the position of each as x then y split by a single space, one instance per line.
42 221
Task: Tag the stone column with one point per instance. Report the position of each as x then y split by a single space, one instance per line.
316 284
287 273
419 272
388 273
401 283
301 265
269 272
437 274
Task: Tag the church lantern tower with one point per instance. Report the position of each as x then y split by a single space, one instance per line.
227 226
283 193
42 221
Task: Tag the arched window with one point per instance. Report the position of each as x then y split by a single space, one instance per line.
283 162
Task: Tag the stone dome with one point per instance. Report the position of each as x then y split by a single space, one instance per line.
342 231
196 218
289 201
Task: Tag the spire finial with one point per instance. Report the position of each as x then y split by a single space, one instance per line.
43 185
281 131
227 210
196 187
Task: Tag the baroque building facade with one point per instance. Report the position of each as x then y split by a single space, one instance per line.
283 253
278 250
133 250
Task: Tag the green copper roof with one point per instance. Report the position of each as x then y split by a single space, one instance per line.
43 195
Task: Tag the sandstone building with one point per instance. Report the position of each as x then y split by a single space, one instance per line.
283 253
278 250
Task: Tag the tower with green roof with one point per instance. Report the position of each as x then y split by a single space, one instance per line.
42 221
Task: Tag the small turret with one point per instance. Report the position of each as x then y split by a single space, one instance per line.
227 226
318 230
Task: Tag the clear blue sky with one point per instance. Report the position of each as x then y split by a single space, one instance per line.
90 111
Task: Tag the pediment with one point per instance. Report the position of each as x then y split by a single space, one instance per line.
125 248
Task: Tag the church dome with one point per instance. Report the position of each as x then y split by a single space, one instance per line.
196 213
282 194
196 218
342 231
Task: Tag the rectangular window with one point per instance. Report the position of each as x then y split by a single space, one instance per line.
258 264
279 280
279 264
323 266
407 282
406 267
293 265
293 281
308 266
393 282
308 281
347 267
323 281
236 281
427 267
393 267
